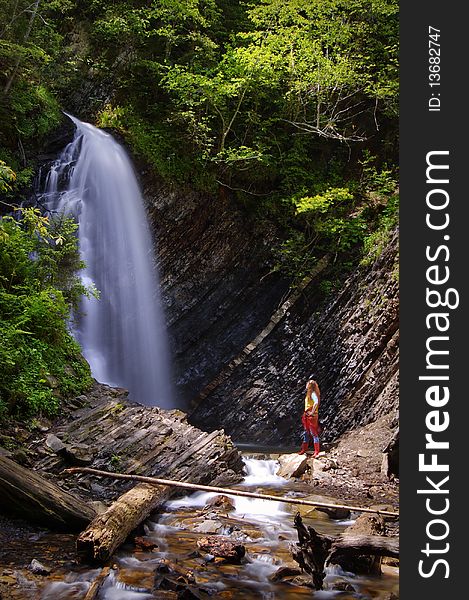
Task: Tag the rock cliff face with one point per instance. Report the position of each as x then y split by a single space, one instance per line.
216 284
350 344
219 293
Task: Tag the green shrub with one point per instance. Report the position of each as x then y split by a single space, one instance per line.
40 362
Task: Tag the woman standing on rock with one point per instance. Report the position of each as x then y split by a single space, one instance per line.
310 418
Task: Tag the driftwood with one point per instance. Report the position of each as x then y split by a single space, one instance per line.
30 496
315 551
311 551
220 490
347 546
110 529
94 588
172 578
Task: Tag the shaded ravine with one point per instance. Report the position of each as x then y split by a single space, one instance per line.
349 343
218 286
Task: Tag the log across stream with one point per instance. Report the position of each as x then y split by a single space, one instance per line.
170 550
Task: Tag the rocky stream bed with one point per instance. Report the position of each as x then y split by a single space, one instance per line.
174 554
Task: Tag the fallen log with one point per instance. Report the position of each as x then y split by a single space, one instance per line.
311 551
367 563
28 495
315 551
110 529
346 546
227 491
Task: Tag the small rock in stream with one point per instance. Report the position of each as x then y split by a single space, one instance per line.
335 513
38 568
221 502
145 544
222 548
209 526
284 573
292 465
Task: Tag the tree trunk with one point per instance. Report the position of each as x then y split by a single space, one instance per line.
27 494
315 551
346 547
110 529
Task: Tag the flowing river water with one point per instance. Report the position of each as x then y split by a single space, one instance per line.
266 530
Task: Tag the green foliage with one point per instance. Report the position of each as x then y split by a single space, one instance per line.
350 224
375 242
39 360
328 226
259 96
290 104
7 177
322 203
374 179
115 463
29 110
36 111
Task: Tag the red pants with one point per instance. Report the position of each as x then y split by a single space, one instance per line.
311 427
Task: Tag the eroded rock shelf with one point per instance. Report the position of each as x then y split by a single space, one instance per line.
106 431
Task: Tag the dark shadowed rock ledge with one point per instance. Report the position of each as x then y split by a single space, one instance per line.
218 285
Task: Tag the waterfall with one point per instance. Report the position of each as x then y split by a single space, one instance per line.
122 334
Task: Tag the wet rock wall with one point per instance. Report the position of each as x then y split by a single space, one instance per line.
350 344
217 287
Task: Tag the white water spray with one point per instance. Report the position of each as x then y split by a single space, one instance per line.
123 334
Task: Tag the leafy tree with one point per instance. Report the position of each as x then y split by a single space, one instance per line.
39 360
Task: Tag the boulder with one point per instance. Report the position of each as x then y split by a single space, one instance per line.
365 564
338 513
222 503
53 442
209 526
324 464
367 524
221 547
292 465
77 454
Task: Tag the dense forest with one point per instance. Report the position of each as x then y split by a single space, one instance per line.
288 105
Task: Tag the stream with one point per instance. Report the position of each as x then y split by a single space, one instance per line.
266 530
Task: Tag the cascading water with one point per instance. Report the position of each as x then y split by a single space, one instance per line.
264 528
123 334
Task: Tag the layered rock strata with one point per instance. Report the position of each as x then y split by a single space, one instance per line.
217 283
350 344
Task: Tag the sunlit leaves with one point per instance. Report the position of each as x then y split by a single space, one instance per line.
7 177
